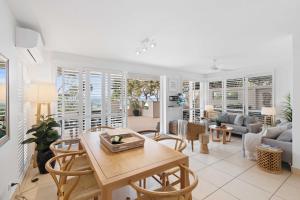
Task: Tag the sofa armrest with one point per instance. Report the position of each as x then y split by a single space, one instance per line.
254 128
285 146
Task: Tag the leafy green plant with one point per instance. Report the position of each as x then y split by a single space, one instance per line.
287 110
43 133
135 104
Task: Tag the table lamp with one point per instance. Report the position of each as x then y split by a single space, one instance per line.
208 109
268 112
42 94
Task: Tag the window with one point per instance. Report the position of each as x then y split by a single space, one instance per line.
215 91
90 98
242 95
235 95
260 94
191 108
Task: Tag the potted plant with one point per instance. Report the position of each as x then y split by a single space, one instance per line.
287 110
43 135
135 107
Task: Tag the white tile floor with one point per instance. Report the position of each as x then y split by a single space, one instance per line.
223 175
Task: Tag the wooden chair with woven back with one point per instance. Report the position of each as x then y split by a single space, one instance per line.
71 184
178 144
150 133
167 192
65 146
193 132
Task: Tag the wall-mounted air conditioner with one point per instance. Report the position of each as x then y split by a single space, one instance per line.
30 45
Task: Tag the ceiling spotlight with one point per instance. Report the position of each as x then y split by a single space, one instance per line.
145 45
152 45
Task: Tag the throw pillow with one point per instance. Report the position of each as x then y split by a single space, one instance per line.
249 120
286 136
231 118
274 132
223 118
239 119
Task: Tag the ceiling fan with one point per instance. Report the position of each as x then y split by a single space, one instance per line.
217 67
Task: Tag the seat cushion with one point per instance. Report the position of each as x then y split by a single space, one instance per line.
223 118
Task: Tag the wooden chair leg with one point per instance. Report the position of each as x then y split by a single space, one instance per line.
193 145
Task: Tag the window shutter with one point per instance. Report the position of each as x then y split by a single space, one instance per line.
96 91
215 91
90 98
186 106
191 109
235 95
68 86
260 94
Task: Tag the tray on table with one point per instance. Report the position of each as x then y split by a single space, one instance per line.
129 141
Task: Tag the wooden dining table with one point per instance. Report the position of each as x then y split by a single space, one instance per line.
115 170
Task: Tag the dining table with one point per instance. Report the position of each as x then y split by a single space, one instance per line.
115 170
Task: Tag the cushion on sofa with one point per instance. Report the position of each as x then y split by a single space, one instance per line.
249 120
231 118
239 120
223 118
274 132
286 136
237 129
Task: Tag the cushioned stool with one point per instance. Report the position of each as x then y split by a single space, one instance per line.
204 140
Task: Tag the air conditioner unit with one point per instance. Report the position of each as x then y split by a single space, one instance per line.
30 45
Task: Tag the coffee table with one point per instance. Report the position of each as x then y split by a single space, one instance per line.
218 130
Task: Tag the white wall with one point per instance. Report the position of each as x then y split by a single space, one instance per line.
8 151
295 103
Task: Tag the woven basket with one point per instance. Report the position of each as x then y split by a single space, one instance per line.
269 159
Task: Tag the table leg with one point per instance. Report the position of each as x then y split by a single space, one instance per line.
106 194
224 137
184 176
229 136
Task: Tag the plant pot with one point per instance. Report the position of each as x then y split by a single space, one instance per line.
136 113
42 158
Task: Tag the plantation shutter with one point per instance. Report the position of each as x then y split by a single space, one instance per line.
196 102
116 99
215 91
90 98
191 108
186 106
69 102
235 95
260 94
96 91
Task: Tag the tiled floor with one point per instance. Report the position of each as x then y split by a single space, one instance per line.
223 175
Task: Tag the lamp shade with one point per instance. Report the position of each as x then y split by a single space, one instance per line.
41 93
209 108
268 111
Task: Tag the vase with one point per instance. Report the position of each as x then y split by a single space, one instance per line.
42 158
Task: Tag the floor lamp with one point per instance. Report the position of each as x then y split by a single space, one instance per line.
43 94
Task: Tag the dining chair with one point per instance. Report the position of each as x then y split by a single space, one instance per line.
72 185
178 144
182 128
150 133
169 192
193 132
65 146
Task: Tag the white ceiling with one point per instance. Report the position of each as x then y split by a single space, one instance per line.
189 33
